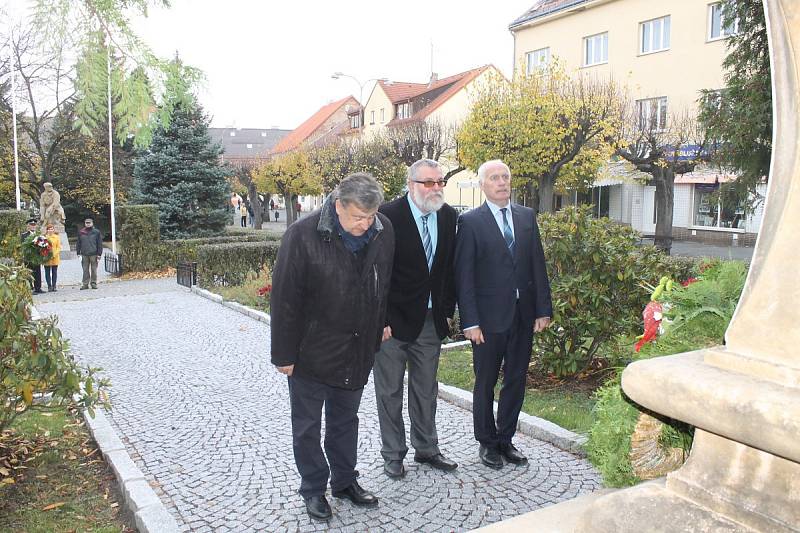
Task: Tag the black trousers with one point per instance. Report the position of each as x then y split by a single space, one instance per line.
512 350
307 399
37 276
51 276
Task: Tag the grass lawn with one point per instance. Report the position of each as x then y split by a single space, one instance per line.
53 478
568 406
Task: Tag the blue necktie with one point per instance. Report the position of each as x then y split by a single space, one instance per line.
507 231
426 241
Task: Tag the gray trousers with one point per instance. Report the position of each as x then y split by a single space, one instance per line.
89 264
422 359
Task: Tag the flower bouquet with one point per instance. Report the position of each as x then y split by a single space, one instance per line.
36 250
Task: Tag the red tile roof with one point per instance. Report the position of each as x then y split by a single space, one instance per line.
456 82
302 132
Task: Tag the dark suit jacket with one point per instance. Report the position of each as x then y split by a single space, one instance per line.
411 282
487 274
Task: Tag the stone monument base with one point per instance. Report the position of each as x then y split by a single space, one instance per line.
66 252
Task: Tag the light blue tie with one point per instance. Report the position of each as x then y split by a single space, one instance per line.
507 231
426 241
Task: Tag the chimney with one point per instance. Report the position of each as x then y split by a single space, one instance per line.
434 78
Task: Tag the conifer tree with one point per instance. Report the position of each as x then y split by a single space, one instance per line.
181 173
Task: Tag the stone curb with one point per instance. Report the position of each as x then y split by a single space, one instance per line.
149 512
530 425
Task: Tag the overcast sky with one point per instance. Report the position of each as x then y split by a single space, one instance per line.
269 64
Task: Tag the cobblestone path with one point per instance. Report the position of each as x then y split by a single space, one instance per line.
206 418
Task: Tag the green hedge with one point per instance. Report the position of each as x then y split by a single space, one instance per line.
12 223
229 264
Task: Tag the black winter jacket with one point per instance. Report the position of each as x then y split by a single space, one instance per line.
328 308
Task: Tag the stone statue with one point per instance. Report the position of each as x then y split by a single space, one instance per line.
50 209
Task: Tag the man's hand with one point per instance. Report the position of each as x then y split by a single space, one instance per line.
286 369
387 333
475 335
541 324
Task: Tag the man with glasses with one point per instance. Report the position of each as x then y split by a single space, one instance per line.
421 304
328 305
503 298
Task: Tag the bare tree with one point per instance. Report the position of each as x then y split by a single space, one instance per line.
413 140
662 145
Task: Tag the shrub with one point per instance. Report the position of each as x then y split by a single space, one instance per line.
139 234
12 224
701 313
34 357
595 269
229 264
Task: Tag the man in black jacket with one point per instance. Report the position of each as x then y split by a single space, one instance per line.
36 270
421 304
328 305
89 247
503 298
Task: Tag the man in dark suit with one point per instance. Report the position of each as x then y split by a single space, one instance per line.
36 270
421 304
503 298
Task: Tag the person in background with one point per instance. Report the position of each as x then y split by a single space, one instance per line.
243 213
51 266
251 215
90 248
36 270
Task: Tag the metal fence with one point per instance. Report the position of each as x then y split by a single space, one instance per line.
113 263
187 273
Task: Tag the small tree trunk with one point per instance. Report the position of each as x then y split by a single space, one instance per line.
287 201
255 201
545 194
665 202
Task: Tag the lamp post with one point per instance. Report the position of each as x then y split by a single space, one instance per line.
361 85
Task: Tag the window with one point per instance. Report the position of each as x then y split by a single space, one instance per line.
355 121
652 113
595 49
372 117
715 209
263 133
233 134
403 110
716 29
249 145
654 35
383 118
538 59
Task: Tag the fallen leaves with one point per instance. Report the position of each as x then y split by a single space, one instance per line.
53 506
168 272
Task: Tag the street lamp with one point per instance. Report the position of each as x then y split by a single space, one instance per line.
361 85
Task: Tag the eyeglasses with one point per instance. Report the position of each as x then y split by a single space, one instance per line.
430 184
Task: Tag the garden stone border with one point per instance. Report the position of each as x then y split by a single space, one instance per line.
530 425
149 512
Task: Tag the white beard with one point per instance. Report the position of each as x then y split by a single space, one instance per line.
433 202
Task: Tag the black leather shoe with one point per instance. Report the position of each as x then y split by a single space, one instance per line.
512 454
357 495
318 508
394 469
490 457
438 461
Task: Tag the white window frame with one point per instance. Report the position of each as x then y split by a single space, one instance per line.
403 110
590 44
647 35
723 31
355 121
383 119
372 117
537 59
645 113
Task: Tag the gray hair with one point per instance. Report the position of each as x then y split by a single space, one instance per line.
360 189
484 167
430 163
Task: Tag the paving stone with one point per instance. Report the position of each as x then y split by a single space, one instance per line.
199 405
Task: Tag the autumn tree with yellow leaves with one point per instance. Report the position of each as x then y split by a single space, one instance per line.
290 175
555 131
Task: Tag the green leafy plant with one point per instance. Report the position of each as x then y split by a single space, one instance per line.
36 370
596 269
12 224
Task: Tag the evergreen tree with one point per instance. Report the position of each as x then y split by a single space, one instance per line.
740 116
180 172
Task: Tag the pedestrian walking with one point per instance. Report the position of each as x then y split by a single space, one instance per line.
251 215
90 248
277 215
422 301
31 228
51 266
503 298
328 307
243 214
